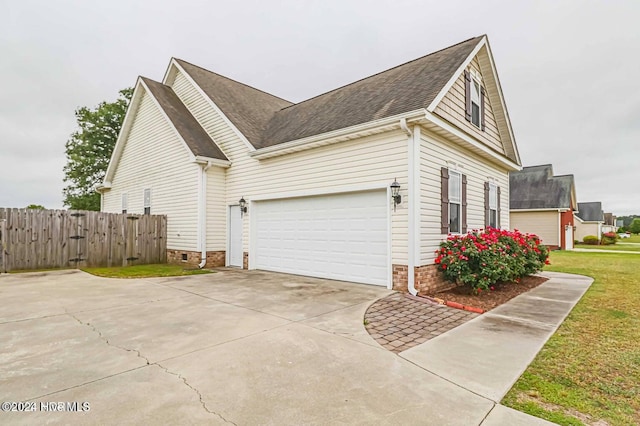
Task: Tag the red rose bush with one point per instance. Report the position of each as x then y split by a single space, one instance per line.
482 258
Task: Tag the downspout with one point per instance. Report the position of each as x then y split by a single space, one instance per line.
202 214
411 284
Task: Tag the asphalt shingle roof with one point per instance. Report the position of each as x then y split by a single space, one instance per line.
535 187
193 134
249 109
590 212
267 120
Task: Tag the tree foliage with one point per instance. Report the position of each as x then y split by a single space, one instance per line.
35 207
635 226
89 149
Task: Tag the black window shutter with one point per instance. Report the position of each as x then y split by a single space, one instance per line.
444 204
498 211
482 108
467 95
487 210
464 204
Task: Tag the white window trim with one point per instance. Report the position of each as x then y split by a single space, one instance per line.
475 79
124 200
458 202
493 206
146 205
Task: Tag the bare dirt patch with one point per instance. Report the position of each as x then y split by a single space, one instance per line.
487 300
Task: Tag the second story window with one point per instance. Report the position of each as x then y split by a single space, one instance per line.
476 104
474 99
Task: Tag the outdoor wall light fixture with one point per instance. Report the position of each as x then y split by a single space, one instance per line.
395 194
243 206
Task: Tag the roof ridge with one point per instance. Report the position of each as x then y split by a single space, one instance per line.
231 79
382 72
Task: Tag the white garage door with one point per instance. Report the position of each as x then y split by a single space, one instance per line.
342 236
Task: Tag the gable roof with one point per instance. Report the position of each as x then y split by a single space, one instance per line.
249 109
401 89
590 212
196 138
535 187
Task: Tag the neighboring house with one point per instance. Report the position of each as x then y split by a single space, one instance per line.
543 204
250 180
590 219
609 224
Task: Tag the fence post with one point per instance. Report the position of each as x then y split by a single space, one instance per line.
3 256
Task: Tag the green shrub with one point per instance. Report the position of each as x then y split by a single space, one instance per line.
482 258
608 238
591 240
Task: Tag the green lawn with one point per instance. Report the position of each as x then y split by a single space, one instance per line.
615 247
633 239
145 271
590 368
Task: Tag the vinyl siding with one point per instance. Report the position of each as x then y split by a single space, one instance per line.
545 225
587 228
216 209
154 157
374 160
435 153
452 109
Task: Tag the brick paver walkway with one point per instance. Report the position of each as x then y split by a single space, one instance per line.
399 322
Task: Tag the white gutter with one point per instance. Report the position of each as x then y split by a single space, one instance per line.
211 161
411 276
333 136
202 213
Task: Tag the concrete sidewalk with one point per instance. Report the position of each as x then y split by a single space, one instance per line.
583 250
489 353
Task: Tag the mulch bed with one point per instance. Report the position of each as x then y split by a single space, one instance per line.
488 300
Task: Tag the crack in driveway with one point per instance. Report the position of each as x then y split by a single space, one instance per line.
165 369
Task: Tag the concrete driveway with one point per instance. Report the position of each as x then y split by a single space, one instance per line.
239 347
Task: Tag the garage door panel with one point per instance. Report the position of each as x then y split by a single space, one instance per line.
341 236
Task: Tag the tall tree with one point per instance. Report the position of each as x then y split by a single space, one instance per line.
89 150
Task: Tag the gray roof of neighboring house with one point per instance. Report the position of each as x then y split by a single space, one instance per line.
193 134
267 120
536 187
590 212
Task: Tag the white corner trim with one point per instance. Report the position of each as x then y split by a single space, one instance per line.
471 141
238 133
389 241
443 92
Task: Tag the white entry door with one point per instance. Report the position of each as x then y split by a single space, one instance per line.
338 236
568 237
235 237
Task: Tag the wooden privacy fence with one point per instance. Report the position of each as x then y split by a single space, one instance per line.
43 239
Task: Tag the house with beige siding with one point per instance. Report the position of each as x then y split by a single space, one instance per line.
589 220
543 204
359 184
